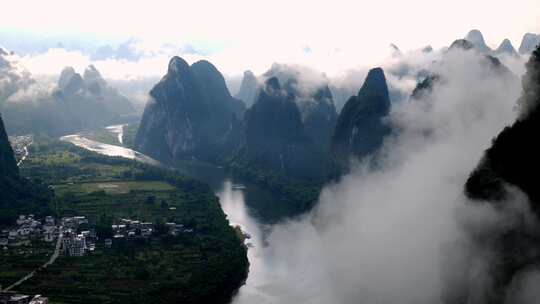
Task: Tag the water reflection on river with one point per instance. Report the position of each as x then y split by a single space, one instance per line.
106 149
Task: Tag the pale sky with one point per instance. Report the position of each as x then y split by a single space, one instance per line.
252 34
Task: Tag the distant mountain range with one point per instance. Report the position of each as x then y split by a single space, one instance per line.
528 44
291 134
75 103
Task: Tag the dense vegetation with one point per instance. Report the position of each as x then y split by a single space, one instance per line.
300 195
128 138
205 266
285 145
276 139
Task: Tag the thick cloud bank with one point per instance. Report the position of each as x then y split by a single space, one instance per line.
396 234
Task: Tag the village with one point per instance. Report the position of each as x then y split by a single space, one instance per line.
74 234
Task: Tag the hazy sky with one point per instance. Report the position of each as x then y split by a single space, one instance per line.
255 33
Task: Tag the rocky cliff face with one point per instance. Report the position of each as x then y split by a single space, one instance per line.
310 91
17 194
360 127
8 165
191 114
319 117
248 88
275 137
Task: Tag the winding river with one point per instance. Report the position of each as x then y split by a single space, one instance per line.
245 204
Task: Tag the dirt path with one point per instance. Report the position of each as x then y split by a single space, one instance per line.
24 156
53 258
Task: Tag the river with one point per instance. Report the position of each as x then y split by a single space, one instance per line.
245 204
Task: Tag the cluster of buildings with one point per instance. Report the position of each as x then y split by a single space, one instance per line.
77 238
29 228
14 298
128 229
77 242
132 229
20 144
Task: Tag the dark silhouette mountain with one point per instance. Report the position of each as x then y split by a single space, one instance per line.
248 88
17 194
512 158
70 82
309 90
319 117
506 48
425 86
216 92
285 144
275 138
8 165
477 39
512 161
529 43
463 44
93 80
360 127
191 114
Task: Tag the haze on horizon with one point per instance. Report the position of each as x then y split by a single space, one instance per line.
238 35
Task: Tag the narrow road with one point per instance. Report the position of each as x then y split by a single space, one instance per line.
24 156
53 258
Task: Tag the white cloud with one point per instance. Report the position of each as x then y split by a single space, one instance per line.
382 236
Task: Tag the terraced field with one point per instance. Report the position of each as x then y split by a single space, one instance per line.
18 262
113 187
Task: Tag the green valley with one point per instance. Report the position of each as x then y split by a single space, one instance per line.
203 261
